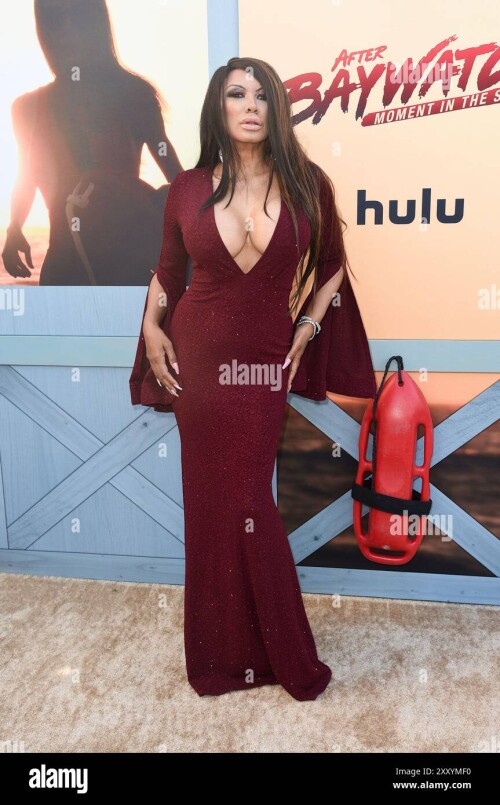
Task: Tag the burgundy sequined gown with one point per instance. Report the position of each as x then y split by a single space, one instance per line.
244 620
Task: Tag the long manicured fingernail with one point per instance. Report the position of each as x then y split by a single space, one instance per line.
178 387
176 367
286 363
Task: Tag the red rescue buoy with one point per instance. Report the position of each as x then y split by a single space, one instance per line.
398 512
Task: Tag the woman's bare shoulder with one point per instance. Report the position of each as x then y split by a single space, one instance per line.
26 105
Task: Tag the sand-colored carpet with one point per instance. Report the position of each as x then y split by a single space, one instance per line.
99 667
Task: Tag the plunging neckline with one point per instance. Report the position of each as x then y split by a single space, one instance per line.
264 253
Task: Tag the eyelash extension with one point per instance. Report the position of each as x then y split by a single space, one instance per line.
237 93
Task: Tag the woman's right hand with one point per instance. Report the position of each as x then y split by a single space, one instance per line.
157 346
15 243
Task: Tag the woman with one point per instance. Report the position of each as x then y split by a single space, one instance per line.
80 142
245 623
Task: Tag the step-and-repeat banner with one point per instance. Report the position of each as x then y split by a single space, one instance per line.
399 103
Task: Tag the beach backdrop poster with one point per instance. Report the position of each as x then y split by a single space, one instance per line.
86 163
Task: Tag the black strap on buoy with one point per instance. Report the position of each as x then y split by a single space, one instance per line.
387 503
366 492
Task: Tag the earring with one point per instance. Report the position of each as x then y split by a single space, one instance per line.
220 155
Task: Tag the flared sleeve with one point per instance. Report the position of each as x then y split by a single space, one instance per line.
171 271
338 359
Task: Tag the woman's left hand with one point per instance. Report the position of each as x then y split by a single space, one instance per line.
300 341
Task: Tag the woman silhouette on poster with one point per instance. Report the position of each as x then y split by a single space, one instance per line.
80 140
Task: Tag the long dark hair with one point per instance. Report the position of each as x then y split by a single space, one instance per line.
297 175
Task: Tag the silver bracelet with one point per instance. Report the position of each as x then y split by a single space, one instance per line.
316 325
